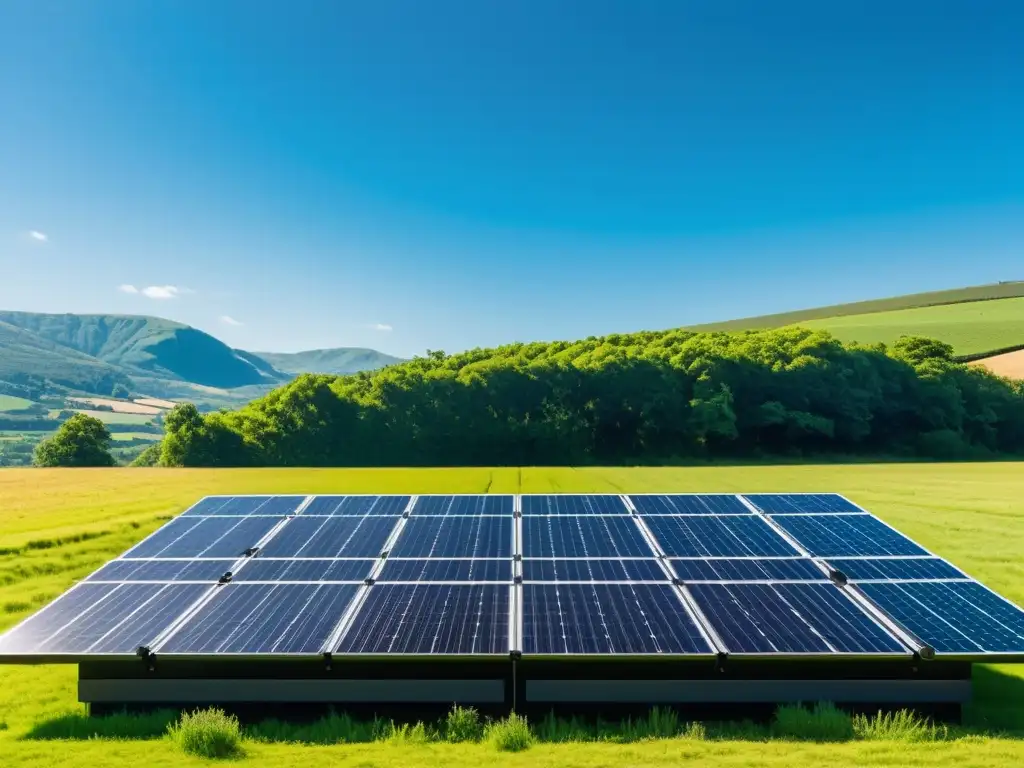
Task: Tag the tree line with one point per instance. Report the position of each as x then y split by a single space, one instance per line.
625 398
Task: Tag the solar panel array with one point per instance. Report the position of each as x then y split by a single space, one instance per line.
538 575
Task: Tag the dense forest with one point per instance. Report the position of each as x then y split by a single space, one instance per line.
636 398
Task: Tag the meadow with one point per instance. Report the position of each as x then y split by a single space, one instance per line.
971 328
58 525
12 403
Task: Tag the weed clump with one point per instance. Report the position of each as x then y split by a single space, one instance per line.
462 724
208 733
511 734
825 722
902 725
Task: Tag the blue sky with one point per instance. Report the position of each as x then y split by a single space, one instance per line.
409 175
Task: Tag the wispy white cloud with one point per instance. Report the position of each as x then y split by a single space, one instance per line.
39 237
161 291
229 320
127 288
380 327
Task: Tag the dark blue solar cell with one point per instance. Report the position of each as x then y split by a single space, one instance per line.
396 569
455 537
952 617
432 619
563 619
96 618
753 618
838 619
331 537
717 536
849 535
265 569
221 506
490 504
902 568
357 506
573 504
263 618
737 569
689 504
583 536
163 570
801 503
205 537
593 570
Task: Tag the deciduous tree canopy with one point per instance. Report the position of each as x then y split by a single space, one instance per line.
81 441
650 396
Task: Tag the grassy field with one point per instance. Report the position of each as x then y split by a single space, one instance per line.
974 327
12 403
58 525
111 417
125 436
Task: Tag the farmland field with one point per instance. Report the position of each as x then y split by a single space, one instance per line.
972 327
11 403
125 436
58 525
111 417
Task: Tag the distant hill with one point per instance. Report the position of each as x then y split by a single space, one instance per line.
93 353
338 361
1003 290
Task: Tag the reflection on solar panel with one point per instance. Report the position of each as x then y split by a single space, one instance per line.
695 504
583 536
801 503
608 619
570 504
847 535
465 575
717 537
431 619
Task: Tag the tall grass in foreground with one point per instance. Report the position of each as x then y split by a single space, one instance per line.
208 733
904 725
511 734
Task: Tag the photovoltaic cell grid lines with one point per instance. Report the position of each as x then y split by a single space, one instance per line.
654 574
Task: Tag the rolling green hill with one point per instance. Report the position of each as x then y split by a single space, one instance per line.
1004 290
334 361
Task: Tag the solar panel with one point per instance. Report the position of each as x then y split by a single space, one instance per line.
735 536
592 570
846 535
688 574
790 618
898 568
801 503
263 618
464 505
583 536
243 506
357 506
689 504
952 617
748 569
431 619
573 504
476 536
397 569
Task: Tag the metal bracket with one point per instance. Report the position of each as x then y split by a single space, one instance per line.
369 581
838 577
225 578
251 551
327 660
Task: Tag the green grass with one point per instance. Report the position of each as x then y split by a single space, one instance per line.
909 301
12 403
125 436
208 733
109 417
58 525
971 328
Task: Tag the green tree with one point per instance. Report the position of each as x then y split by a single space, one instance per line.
81 441
120 391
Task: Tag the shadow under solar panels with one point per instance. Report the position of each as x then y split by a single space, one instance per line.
572 504
102 618
583 536
849 535
442 506
801 503
952 617
619 619
357 506
430 619
689 504
593 570
264 619
790 619
734 536
243 506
